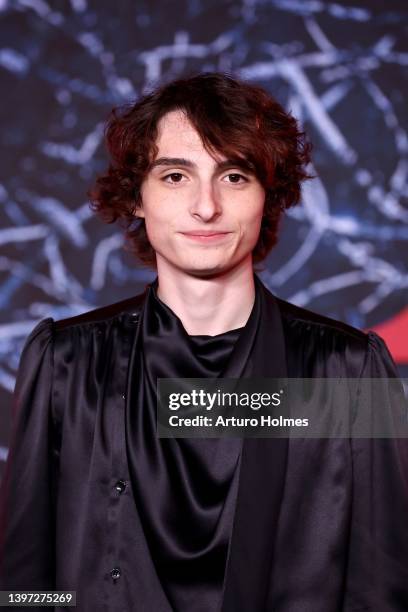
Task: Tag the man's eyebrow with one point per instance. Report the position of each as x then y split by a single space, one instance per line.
172 161
181 161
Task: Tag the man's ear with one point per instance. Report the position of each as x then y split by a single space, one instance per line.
138 209
138 212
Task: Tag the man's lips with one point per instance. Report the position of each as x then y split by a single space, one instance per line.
205 236
204 233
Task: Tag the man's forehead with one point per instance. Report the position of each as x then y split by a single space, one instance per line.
178 138
179 144
175 132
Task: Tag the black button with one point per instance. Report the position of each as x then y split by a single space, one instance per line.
120 486
134 317
115 573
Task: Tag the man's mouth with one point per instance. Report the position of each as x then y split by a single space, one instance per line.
205 236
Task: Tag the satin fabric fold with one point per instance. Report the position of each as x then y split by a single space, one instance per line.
185 489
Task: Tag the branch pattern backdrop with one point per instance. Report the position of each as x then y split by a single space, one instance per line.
339 68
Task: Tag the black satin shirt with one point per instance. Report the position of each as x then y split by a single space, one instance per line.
184 489
91 502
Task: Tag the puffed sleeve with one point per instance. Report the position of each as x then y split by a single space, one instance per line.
27 494
377 577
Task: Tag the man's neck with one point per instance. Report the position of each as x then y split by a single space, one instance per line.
209 306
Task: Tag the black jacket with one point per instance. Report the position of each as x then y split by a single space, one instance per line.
320 525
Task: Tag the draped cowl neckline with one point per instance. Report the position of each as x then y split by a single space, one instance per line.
185 489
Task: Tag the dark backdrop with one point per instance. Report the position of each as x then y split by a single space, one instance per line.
338 66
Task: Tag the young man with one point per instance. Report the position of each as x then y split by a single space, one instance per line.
93 500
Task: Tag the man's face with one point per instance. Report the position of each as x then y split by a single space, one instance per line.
187 190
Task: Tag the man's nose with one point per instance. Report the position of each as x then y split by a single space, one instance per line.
206 203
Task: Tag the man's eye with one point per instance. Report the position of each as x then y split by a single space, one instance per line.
236 178
173 177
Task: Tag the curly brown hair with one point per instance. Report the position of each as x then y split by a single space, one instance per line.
240 120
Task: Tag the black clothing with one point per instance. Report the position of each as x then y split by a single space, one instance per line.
316 525
184 488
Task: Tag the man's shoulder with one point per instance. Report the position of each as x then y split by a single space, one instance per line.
129 307
296 317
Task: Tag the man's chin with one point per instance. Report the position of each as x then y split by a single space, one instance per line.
201 268
207 271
